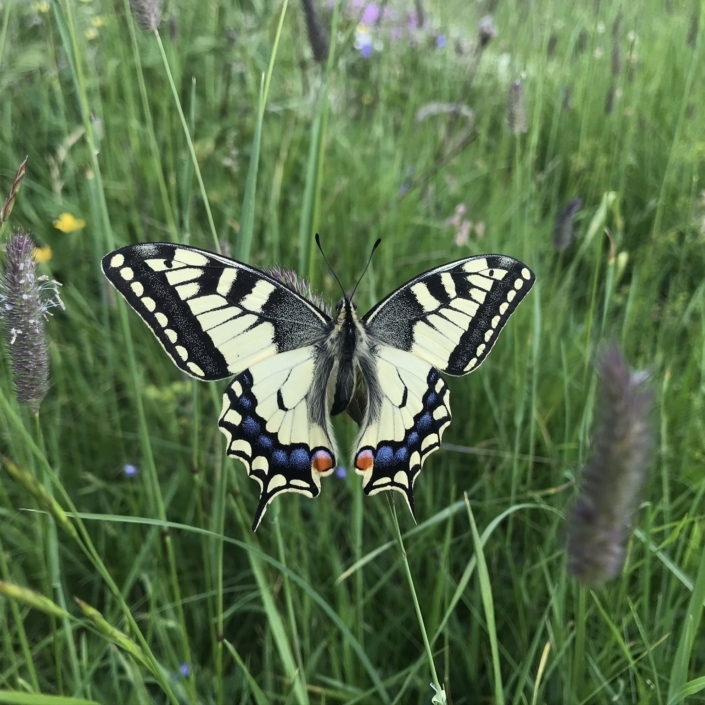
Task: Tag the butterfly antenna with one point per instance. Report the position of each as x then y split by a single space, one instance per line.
374 247
318 242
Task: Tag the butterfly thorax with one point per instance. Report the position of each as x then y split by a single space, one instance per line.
343 344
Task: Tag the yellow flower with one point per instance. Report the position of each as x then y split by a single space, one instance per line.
42 254
67 223
99 21
90 33
42 7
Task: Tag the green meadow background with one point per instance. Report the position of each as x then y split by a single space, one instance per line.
316 607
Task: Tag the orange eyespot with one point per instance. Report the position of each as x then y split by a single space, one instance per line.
321 461
364 460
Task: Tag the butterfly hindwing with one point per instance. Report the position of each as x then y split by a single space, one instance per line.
276 422
451 316
214 317
408 410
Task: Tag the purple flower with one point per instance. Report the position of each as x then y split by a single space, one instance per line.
366 51
340 472
184 670
131 470
370 14
441 41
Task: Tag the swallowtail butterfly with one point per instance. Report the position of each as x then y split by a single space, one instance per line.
295 366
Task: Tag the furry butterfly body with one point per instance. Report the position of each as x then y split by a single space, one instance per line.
294 366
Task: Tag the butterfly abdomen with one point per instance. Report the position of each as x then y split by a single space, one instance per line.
343 344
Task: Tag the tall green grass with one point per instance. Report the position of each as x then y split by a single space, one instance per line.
317 607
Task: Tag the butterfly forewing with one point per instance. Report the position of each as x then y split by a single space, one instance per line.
214 317
451 316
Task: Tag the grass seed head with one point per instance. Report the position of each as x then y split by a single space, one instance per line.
147 13
611 482
317 33
517 121
487 30
24 305
564 229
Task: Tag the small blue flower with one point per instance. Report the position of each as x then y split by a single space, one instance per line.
184 670
131 470
340 472
366 51
441 41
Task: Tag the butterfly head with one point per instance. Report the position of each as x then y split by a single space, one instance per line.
345 304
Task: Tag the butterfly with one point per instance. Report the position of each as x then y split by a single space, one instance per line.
295 366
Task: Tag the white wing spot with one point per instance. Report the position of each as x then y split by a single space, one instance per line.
471 364
231 416
401 478
429 440
181 352
414 460
126 273
526 273
518 283
137 287
195 259
117 260
187 291
467 307
226 281
448 284
381 481
241 447
480 349
258 297
488 335
482 282
299 483
159 265
171 334
276 482
237 388
511 295
495 321
260 463
162 320
439 413
427 300
196 369
503 308
208 303
185 274
478 295
149 303
216 318
476 265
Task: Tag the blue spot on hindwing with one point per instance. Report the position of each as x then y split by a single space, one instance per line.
401 456
384 456
300 459
425 422
264 442
431 399
250 426
245 403
279 457
413 439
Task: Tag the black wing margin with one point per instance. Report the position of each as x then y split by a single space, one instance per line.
215 317
452 315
